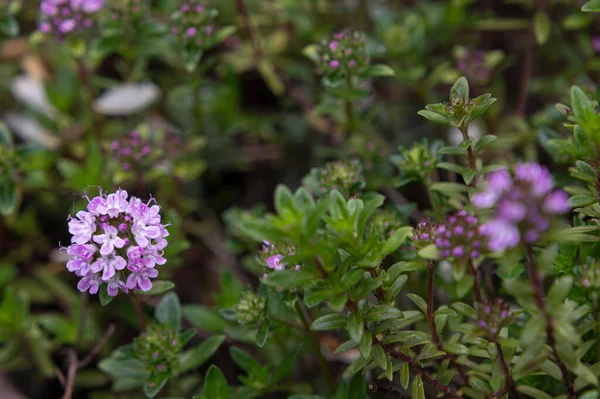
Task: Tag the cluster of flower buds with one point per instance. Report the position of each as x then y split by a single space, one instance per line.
62 17
193 24
417 162
371 149
250 309
459 237
127 10
493 316
386 221
472 65
273 256
346 177
525 205
424 234
343 54
117 242
159 347
130 150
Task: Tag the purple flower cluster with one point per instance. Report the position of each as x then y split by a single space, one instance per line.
472 65
118 242
130 150
193 24
62 17
344 53
274 258
127 10
459 237
525 205
424 234
492 316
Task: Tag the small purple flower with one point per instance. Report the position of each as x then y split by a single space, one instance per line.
140 277
109 240
501 235
62 17
275 262
458 236
334 64
557 203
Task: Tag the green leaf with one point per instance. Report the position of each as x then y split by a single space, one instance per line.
384 312
417 390
158 287
245 361
9 26
404 375
311 52
284 200
541 26
393 291
329 322
379 356
456 348
152 388
5 135
168 311
381 70
484 142
8 196
434 117
560 289
591 6
465 309
420 302
195 357
124 368
288 278
395 240
452 150
215 384
460 91
223 34
203 318
366 345
262 334
352 277
429 252
191 58
581 105
533 392
355 327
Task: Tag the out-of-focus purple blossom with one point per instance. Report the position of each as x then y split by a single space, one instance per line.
193 24
525 204
343 53
62 17
492 316
131 150
596 44
472 65
117 239
459 237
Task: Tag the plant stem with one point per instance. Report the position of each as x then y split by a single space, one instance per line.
139 312
424 373
538 292
82 313
314 340
476 288
350 118
509 384
433 329
464 129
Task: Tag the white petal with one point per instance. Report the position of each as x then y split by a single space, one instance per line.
127 99
30 92
30 130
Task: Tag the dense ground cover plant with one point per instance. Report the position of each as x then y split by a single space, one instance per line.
299 199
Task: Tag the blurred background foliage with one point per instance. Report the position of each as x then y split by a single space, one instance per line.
225 128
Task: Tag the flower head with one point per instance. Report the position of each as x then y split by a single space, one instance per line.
343 53
525 204
62 17
459 237
118 241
